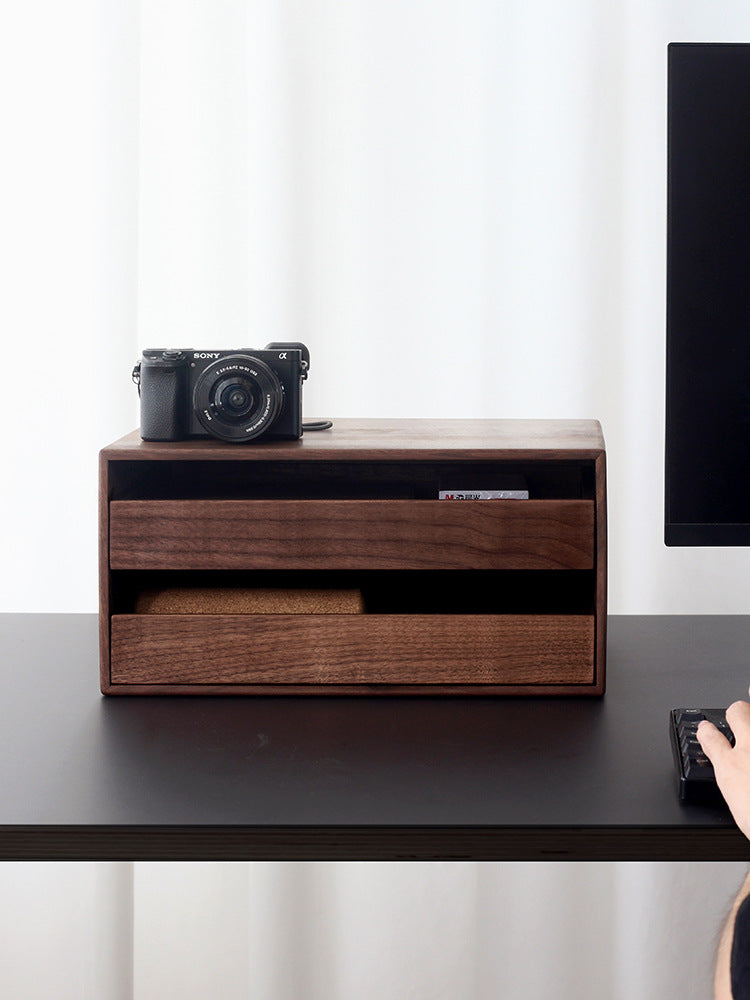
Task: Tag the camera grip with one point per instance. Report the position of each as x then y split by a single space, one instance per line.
163 403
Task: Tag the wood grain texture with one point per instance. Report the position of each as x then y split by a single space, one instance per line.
351 534
329 650
384 653
370 439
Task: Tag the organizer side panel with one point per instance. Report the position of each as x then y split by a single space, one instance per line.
104 573
600 595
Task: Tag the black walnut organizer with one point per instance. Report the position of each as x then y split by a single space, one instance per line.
462 597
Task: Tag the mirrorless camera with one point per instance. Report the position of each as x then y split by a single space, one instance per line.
235 395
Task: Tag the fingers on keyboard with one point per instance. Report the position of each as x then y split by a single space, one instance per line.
738 717
713 742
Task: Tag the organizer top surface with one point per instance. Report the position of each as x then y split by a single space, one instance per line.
415 439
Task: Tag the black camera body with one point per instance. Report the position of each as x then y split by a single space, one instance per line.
235 396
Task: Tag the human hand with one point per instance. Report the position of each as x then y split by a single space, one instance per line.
731 763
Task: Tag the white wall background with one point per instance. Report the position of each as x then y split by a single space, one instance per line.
461 208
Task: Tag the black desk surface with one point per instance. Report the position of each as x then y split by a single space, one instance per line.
83 776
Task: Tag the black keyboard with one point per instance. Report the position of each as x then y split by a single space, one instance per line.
695 774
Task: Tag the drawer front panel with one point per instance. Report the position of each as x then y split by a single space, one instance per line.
327 650
351 534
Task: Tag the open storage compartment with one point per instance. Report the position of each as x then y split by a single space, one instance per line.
409 593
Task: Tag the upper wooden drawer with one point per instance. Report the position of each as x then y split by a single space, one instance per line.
351 534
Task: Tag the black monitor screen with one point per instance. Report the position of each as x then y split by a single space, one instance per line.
708 296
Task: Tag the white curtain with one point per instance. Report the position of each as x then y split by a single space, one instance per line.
460 207
351 931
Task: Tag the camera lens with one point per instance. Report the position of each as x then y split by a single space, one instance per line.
237 398
234 398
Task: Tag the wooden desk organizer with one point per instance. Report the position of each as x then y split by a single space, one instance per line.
464 597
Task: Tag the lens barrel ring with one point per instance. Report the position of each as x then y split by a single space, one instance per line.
254 377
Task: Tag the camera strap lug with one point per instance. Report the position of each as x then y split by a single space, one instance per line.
136 376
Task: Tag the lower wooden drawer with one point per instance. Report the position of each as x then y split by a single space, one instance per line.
351 653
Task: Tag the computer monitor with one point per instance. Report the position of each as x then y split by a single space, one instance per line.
708 295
